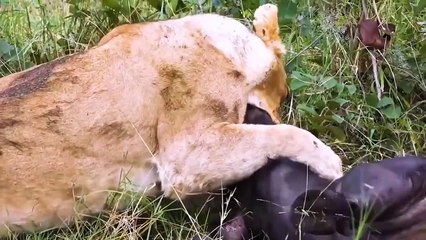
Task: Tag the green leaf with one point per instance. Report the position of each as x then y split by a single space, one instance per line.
406 85
112 4
420 6
112 15
338 132
299 80
73 2
336 103
333 105
392 112
317 123
340 87
337 118
372 100
423 49
306 28
215 3
297 83
385 101
291 65
5 47
305 108
341 101
72 9
328 82
126 9
171 7
351 89
287 11
155 3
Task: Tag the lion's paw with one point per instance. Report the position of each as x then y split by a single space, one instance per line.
317 155
328 164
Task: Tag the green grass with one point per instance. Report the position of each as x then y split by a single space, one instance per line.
332 94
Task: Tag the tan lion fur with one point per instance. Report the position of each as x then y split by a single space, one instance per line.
156 102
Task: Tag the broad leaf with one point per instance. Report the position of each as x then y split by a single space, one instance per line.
338 132
333 105
305 108
392 112
385 101
341 101
299 80
372 100
351 89
328 82
423 49
337 118
419 7
5 47
287 11
112 4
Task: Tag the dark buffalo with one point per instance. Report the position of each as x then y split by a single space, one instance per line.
286 200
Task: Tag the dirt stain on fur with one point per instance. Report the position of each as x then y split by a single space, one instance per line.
34 79
6 142
116 130
178 93
217 107
5 123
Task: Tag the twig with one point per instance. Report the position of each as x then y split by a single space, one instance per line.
356 41
376 75
372 56
376 12
364 9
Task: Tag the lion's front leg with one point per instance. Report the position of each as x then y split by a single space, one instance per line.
227 153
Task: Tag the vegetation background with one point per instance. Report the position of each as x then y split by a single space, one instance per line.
332 81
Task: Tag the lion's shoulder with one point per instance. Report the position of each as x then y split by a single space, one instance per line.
233 39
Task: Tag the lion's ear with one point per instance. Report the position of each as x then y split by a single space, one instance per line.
266 26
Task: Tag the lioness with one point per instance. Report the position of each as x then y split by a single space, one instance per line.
157 104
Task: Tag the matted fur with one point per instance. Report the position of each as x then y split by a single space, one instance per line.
152 102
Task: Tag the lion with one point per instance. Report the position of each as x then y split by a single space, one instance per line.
154 108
